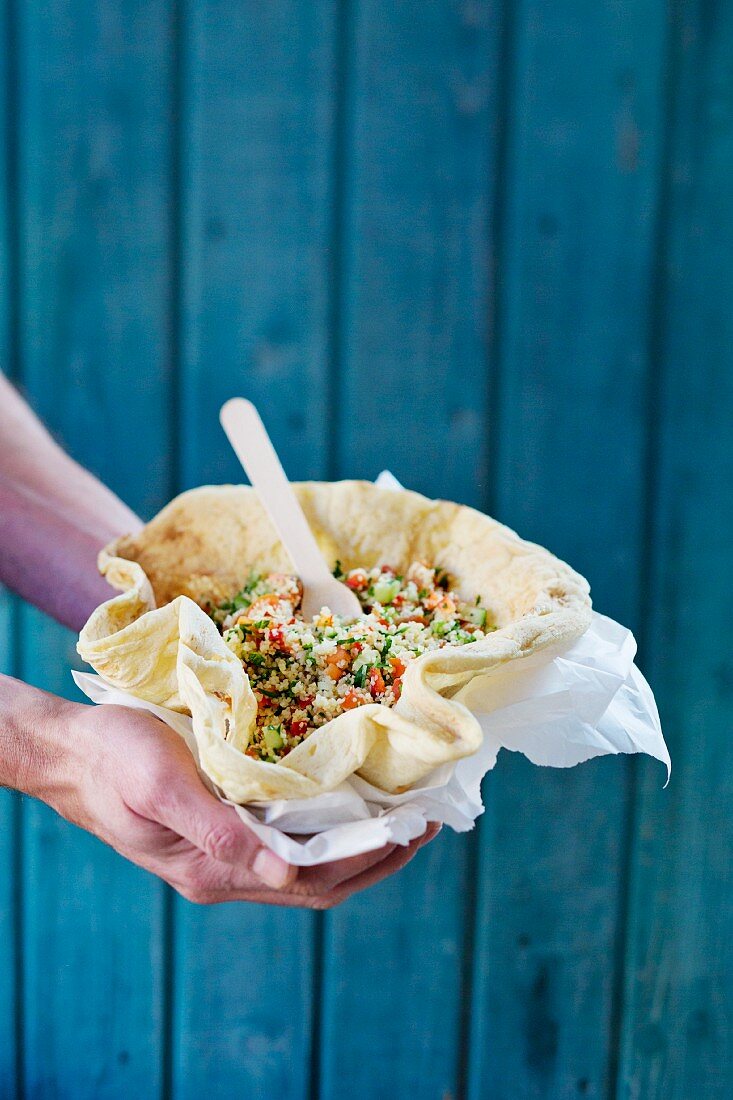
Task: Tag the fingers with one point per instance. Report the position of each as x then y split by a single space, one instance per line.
398 859
328 876
325 877
155 775
297 897
183 805
204 880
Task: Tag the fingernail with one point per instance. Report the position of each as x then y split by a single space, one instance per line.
272 870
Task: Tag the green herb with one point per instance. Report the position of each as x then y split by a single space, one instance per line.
360 676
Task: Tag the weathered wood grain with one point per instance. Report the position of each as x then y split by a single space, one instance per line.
448 239
678 1029
9 802
9 841
579 196
256 215
256 178
417 179
93 124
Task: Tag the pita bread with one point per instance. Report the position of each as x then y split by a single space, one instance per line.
154 640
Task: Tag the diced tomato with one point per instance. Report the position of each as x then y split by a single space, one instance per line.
356 648
397 688
376 683
336 662
306 700
398 667
277 638
262 700
297 729
357 581
388 569
354 699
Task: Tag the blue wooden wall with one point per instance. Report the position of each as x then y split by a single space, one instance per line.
489 245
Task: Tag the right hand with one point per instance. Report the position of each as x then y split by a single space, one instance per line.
129 779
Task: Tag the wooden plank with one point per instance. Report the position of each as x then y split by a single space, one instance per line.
259 105
94 165
259 87
9 802
578 235
9 818
418 179
677 1036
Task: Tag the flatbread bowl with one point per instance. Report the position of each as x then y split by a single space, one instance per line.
156 641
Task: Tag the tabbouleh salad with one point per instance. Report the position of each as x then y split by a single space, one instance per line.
303 674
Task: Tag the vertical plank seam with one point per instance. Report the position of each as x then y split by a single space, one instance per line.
344 16
18 922
12 213
496 215
12 204
650 467
497 243
175 313
339 180
168 956
318 940
175 240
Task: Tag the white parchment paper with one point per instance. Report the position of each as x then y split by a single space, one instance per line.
559 707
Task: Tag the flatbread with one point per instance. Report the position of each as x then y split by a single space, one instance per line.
154 640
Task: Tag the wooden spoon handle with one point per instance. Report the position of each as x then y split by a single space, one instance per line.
253 447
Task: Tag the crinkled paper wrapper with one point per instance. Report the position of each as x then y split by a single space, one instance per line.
559 708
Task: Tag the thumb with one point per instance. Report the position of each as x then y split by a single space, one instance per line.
190 810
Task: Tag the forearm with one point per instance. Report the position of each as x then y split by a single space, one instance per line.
33 757
55 518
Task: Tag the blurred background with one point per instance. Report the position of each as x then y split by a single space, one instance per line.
488 245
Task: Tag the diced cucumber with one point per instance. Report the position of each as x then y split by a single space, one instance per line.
273 738
386 590
475 615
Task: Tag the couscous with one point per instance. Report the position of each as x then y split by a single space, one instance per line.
303 674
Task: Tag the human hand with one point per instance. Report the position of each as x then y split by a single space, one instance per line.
129 779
